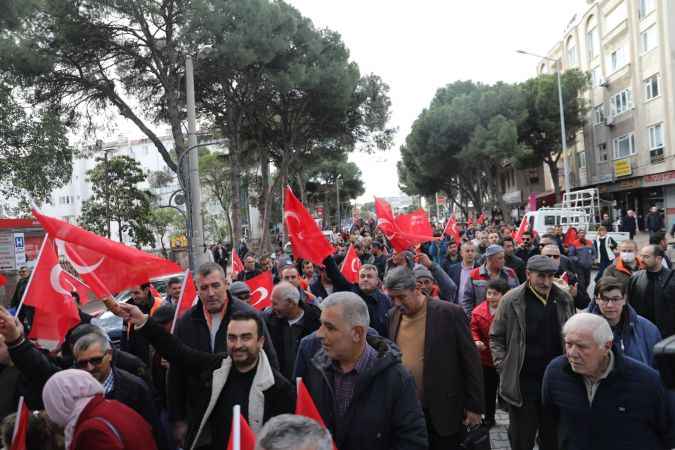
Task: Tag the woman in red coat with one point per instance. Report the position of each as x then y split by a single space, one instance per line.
481 319
74 400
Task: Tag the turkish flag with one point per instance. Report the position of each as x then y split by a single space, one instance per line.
385 218
400 238
20 427
76 285
105 265
518 237
570 237
188 297
55 309
351 265
415 227
304 405
241 435
237 265
452 230
469 221
3 280
306 238
481 219
261 290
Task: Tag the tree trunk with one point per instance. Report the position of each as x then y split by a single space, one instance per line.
301 188
235 180
553 168
228 223
265 244
284 183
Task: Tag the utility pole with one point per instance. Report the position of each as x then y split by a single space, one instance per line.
99 147
338 214
196 232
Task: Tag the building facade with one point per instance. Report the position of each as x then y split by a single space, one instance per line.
627 148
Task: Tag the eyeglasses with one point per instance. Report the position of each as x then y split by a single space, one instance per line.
95 362
604 299
553 256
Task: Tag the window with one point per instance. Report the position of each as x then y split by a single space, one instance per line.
624 146
649 39
596 76
652 89
616 59
656 136
646 6
571 52
616 17
581 157
592 43
620 103
603 156
598 115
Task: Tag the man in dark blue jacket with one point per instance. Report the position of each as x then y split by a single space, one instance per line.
602 399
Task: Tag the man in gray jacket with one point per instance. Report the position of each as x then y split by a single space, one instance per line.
525 337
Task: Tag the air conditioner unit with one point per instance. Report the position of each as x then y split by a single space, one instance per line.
609 121
603 82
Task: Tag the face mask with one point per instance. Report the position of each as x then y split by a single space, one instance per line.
628 257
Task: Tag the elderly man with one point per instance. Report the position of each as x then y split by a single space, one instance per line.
651 291
524 337
286 432
240 291
250 269
203 327
429 273
365 396
567 280
476 285
291 275
626 264
635 335
603 400
438 350
242 376
289 320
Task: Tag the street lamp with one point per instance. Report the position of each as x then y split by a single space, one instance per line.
558 65
337 191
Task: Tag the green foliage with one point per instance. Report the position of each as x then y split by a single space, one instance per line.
166 222
117 183
35 157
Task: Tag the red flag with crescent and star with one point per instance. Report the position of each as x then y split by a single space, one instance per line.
307 240
105 265
351 265
452 230
46 292
404 231
518 237
237 265
261 290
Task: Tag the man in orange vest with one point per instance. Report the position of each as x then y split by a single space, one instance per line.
131 341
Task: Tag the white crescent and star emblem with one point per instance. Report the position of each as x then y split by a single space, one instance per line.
355 265
263 295
55 280
294 215
83 270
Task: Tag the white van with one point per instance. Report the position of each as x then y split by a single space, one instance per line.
544 219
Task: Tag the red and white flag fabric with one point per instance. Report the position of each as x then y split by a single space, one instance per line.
571 236
261 290
469 221
307 240
481 219
305 406
237 265
518 237
415 226
404 231
55 309
452 230
76 285
20 427
385 218
105 265
241 435
351 265
187 299
3 280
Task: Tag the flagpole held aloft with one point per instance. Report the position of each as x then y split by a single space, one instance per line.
180 300
30 278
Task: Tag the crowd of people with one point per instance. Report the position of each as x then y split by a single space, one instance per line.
419 353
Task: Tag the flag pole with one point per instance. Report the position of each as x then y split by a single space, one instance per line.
17 420
236 414
180 300
30 278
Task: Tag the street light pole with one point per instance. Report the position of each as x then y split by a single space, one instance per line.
563 134
338 214
99 147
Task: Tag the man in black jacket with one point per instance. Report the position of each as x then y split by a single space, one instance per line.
93 353
204 328
365 396
244 378
289 320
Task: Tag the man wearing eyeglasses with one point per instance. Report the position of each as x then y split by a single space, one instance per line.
576 289
92 353
635 335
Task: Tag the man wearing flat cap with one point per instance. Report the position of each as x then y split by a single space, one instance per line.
476 285
525 336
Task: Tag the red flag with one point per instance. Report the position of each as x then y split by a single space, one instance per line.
237 265
3 280
452 230
106 266
20 427
351 265
187 298
518 237
570 237
304 405
481 219
306 238
76 285
469 221
415 226
261 290
404 231
385 218
55 309
241 435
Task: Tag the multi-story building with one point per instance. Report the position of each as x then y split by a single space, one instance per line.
627 148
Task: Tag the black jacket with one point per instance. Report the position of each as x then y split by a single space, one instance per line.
629 410
18 292
279 399
309 323
654 222
517 264
455 274
662 311
384 413
193 331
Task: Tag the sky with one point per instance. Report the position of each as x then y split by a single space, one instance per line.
418 47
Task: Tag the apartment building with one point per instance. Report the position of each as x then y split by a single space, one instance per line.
627 148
